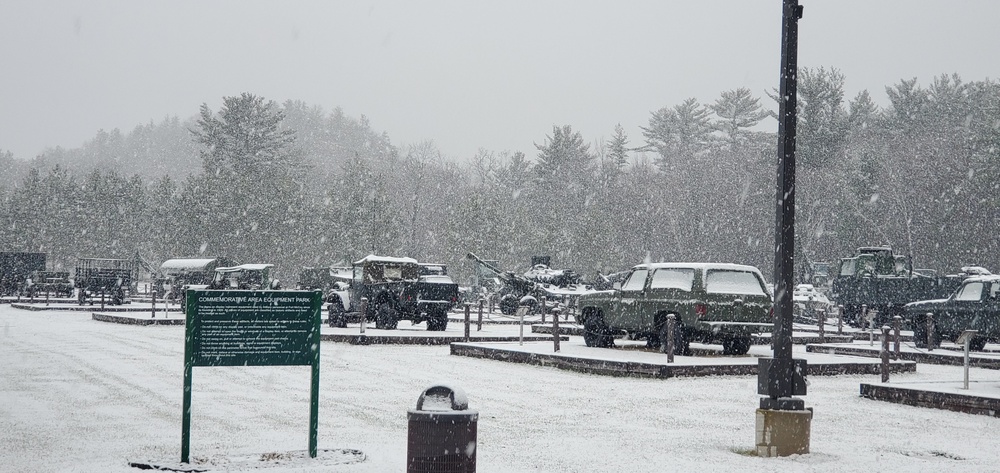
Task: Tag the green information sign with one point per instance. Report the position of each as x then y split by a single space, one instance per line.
252 328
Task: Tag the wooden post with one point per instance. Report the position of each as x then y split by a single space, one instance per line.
555 330
102 299
897 325
669 342
479 321
543 309
930 331
840 320
520 334
153 306
885 353
364 313
821 323
467 305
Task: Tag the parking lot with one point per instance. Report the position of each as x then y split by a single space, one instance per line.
82 395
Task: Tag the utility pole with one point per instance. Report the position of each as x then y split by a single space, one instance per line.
783 423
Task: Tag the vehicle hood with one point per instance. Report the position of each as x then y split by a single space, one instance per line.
928 304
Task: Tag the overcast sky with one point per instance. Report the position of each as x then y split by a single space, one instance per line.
465 74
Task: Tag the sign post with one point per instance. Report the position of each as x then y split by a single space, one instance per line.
252 328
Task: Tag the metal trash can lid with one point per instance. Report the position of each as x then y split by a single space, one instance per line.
442 400
442 397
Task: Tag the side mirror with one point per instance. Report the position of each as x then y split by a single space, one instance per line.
617 286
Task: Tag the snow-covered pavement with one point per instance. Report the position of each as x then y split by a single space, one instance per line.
81 395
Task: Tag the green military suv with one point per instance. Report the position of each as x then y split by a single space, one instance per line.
975 305
712 302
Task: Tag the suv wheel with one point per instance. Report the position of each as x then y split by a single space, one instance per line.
596 332
977 344
736 345
385 317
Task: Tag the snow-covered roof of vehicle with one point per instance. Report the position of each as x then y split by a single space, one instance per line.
244 267
984 278
702 266
187 263
976 270
385 259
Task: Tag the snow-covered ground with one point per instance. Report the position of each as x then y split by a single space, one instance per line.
78 395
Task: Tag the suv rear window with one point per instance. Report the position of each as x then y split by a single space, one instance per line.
733 282
673 278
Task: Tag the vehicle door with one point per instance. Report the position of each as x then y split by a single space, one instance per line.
670 290
989 313
627 300
963 312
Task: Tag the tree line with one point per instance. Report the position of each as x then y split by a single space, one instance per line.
293 185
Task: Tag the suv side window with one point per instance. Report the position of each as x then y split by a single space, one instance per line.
733 282
972 291
673 278
636 280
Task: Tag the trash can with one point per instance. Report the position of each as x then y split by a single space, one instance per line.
442 432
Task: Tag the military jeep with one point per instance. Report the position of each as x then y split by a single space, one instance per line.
711 302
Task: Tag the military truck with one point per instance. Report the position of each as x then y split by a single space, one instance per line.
180 273
974 306
103 277
245 276
881 280
395 291
16 268
712 302
54 283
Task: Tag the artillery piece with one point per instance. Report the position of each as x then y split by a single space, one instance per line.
516 290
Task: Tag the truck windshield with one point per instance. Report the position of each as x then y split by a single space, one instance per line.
972 291
636 281
733 282
673 278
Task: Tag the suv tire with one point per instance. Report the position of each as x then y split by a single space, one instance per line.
736 345
596 332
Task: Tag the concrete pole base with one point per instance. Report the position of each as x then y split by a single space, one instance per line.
783 433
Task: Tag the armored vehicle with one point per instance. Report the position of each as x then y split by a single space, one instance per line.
882 281
396 291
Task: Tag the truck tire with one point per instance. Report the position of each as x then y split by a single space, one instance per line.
385 317
736 345
596 332
437 321
337 317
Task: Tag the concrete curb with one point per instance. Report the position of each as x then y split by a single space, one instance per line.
654 370
123 319
359 339
939 357
937 400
